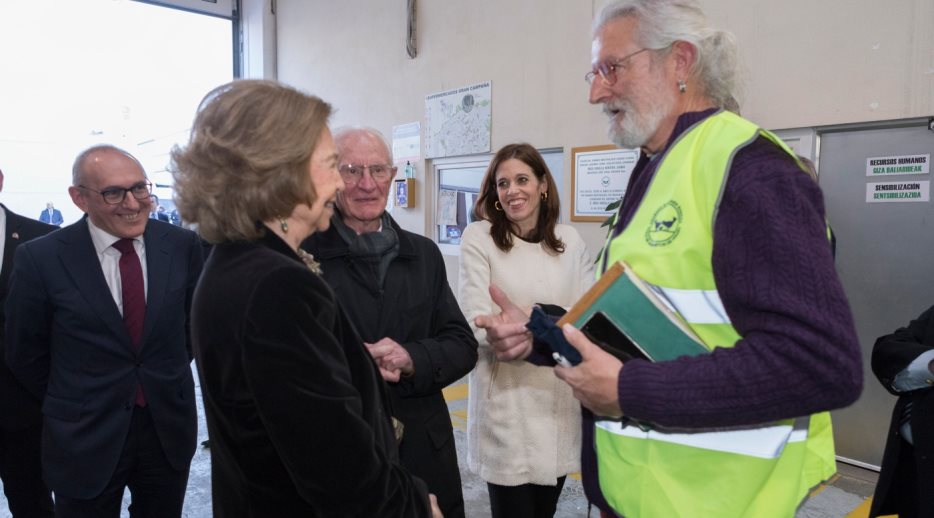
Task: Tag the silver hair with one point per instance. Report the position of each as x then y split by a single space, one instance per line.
663 22
344 131
77 169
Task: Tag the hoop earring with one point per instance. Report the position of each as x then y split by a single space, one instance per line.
284 226
682 86
545 196
498 206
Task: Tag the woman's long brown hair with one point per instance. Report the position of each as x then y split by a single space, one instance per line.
502 229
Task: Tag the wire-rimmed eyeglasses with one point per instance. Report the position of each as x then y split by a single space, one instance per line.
607 69
115 195
352 173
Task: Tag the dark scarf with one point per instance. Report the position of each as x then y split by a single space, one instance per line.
375 249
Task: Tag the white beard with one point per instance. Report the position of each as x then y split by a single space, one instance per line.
639 125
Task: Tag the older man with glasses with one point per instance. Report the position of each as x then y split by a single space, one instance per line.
721 216
97 330
394 288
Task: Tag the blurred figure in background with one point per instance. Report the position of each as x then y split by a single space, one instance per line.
51 215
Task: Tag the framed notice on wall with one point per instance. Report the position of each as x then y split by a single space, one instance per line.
599 175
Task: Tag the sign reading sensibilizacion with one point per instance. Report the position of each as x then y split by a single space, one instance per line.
905 191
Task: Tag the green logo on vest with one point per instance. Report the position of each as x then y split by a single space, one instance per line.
665 225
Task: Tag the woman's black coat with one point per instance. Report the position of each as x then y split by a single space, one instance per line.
297 412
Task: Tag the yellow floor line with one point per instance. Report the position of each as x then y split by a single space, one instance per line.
455 392
862 510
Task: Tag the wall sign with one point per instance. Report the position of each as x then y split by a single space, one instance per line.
892 165
599 175
905 191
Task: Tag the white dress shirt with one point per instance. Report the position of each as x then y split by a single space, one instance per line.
110 261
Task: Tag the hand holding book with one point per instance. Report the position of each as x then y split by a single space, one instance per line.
595 379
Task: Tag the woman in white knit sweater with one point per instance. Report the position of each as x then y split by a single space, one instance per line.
523 424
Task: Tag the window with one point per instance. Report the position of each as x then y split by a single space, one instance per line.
458 186
121 72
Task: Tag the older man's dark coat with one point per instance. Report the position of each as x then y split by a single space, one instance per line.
417 309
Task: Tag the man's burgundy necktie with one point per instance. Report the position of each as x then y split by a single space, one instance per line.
134 298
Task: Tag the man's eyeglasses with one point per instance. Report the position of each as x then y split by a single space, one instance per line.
607 69
352 173
116 195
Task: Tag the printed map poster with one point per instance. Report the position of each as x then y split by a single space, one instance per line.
458 122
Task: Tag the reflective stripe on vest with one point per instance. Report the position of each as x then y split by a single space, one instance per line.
694 306
766 442
759 472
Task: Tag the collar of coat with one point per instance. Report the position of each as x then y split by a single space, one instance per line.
329 244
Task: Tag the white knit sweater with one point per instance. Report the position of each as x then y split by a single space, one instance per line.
523 423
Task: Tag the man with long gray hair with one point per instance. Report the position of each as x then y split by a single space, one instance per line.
722 218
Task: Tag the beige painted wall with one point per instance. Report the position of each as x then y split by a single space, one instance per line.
803 63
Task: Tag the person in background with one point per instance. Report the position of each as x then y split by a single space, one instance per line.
20 419
97 329
393 285
721 218
904 363
523 434
157 211
51 215
298 414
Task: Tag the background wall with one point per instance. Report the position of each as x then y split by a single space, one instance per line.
803 64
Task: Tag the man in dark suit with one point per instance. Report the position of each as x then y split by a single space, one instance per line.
51 215
904 363
20 420
97 328
394 288
156 211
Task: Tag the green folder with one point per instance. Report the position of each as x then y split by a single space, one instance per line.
622 314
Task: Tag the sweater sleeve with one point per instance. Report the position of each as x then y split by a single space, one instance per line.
474 278
772 263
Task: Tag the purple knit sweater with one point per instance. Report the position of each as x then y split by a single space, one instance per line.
772 263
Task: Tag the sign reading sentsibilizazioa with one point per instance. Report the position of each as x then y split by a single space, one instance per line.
904 191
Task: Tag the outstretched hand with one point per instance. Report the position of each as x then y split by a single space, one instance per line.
506 331
595 380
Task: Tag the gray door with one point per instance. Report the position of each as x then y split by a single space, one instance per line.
885 257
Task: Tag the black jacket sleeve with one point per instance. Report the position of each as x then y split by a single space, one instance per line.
893 353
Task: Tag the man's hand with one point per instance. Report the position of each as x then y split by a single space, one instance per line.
435 510
392 359
506 332
595 379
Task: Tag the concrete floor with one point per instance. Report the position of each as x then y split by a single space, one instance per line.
846 495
